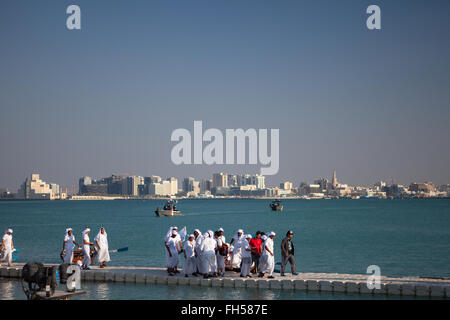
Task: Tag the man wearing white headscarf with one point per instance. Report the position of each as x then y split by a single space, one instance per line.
198 253
246 257
208 248
189 256
68 245
262 259
173 249
86 249
220 257
268 256
102 243
236 257
7 247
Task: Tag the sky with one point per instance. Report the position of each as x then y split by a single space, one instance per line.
372 104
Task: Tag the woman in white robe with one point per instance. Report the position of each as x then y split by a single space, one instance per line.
268 253
68 246
189 256
86 249
208 248
236 257
103 251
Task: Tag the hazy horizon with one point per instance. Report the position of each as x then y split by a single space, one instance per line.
374 105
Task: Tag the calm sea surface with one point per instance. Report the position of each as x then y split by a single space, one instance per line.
402 237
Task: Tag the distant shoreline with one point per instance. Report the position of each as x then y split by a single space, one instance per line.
109 198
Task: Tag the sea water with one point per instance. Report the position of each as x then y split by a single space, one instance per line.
402 237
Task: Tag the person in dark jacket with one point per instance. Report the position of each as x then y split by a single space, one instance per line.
287 253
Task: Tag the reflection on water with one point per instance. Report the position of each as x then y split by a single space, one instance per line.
102 291
12 290
7 290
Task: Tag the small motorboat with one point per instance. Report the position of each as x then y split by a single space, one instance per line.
276 205
169 210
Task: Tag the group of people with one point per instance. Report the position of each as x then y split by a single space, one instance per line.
101 240
208 254
7 248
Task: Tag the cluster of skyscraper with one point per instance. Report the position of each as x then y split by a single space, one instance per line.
221 184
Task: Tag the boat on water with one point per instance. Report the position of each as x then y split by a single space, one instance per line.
169 209
276 205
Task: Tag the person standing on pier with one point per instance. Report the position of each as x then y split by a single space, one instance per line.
7 247
189 256
198 253
208 248
236 257
173 248
221 252
262 259
256 246
269 257
68 245
287 253
102 243
246 257
86 249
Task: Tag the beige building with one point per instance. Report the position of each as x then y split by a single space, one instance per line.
167 187
37 189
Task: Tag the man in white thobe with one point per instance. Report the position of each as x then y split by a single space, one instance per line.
246 257
220 259
208 249
198 252
269 257
236 257
7 247
86 249
189 256
103 251
68 245
173 248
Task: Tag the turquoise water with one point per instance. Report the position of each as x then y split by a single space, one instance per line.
403 237
12 290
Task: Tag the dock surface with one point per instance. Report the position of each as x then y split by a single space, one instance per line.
325 282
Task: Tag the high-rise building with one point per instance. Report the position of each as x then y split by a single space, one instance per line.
220 180
167 187
206 185
82 182
334 182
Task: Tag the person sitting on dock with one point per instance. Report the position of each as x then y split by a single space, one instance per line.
246 257
189 256
269 257
236 257
208 248
198 253
86 249
7 247
102 243
287 253
173 248
68 245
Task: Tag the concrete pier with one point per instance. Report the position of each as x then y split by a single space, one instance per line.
325 282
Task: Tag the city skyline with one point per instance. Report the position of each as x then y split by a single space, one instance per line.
219 179
105 99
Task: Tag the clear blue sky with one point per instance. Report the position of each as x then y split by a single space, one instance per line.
370 104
